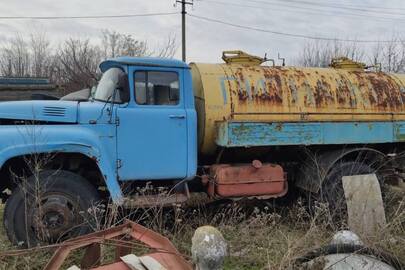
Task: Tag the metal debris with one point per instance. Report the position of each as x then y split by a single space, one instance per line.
124 238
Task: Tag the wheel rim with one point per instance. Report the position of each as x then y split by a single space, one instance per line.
54 217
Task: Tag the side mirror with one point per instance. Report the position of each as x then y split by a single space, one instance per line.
121 95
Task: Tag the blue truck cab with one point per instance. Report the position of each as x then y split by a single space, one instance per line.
139 124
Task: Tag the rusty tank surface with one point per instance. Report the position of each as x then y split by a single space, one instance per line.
246 91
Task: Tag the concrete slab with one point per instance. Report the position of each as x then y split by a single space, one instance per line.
365 207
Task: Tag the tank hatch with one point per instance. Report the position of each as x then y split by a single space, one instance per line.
347 64
240 57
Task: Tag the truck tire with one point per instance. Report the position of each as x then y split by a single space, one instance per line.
332 191
57 212
8 219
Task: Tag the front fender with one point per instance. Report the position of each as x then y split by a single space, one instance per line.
96 144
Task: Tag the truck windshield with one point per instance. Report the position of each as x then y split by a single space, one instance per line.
113 79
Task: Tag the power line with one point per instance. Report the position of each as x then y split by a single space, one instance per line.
85 17
289 34
350 4
303 10
326 5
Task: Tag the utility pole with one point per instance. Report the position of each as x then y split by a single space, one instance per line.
183 26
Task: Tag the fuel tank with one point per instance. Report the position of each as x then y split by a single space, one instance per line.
246 89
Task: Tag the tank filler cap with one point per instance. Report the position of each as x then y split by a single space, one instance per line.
348 64
257 164
240 57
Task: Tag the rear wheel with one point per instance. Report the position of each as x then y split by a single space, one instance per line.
49 209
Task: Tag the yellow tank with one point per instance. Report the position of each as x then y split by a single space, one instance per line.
244 89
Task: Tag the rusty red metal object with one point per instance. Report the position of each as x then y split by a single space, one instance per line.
163 250
254 179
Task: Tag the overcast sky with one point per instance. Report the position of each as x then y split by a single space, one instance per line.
361 19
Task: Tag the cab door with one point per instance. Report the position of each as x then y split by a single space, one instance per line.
152 130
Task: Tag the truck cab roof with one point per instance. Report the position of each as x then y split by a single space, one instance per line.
142 61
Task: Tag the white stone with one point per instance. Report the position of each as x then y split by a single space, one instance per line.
346 237
208 248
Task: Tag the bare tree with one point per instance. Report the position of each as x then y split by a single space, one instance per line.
76 63
40 53
15 58
168 49
320 53
118 44
131 47
109 42
391 55
21 58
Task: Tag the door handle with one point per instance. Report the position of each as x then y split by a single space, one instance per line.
175 116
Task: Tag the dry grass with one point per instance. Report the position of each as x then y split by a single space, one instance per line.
260 236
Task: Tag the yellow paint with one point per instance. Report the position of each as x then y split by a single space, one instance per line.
348 64
261 93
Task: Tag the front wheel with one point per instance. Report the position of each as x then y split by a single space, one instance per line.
48 208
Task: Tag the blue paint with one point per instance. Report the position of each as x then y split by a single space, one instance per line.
95 141
191 113
23 81
40 110
237 134
223 87
142 61
151 143
260 84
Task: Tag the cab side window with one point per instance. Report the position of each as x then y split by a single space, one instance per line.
156 88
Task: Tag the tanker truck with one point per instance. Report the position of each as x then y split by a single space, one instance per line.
245 128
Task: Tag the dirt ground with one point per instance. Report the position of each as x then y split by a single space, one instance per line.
259 235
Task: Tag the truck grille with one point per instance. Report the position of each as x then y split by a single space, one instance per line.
54 111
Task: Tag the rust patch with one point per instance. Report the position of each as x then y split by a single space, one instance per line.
239 74
323 94
267 88
273 86
344 96
380 90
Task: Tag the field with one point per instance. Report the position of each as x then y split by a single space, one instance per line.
260 235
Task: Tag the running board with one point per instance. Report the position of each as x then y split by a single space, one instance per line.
159 200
